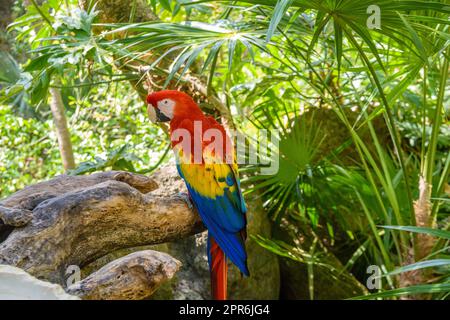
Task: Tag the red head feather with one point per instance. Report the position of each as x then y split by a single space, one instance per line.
185 113
185 106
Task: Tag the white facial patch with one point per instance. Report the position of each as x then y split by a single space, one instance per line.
166 106
151 113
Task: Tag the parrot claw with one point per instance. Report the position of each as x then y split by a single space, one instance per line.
186 198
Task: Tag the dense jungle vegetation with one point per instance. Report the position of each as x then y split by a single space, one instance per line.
358 91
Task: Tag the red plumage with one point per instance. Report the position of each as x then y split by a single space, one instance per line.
224 214
219 270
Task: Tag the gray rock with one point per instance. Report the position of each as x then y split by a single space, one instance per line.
16 284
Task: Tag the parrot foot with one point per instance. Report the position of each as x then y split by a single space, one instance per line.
186 198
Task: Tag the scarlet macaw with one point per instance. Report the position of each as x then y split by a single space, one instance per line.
212 180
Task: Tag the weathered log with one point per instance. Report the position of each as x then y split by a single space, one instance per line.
31 196
133 277
77 219
15 217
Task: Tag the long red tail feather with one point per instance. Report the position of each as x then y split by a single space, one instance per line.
219 271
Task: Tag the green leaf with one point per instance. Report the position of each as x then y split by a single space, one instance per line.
231 49
415 38
279 11
84 167
9 69
420 265
320 24
38 63
40 90
426 288
338 43
430 231
166 5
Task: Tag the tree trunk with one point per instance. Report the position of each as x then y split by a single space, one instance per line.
5 19
133 277
62 131
423 243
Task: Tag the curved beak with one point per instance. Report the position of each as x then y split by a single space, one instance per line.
156 115
151 110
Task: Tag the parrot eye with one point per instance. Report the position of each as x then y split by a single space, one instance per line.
166 106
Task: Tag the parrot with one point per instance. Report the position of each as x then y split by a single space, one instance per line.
212 180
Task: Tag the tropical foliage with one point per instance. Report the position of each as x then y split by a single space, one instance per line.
360 102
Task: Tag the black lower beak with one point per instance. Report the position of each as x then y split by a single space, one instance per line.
161 117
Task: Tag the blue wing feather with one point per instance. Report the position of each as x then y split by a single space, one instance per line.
224 216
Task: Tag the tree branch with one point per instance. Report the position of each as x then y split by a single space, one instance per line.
61 128
76 220
133 277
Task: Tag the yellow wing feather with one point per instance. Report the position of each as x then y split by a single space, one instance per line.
210 178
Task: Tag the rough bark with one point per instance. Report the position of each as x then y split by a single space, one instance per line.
62 131
422 210
5 12
75 220
423 243
6 17
114 11
133 277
